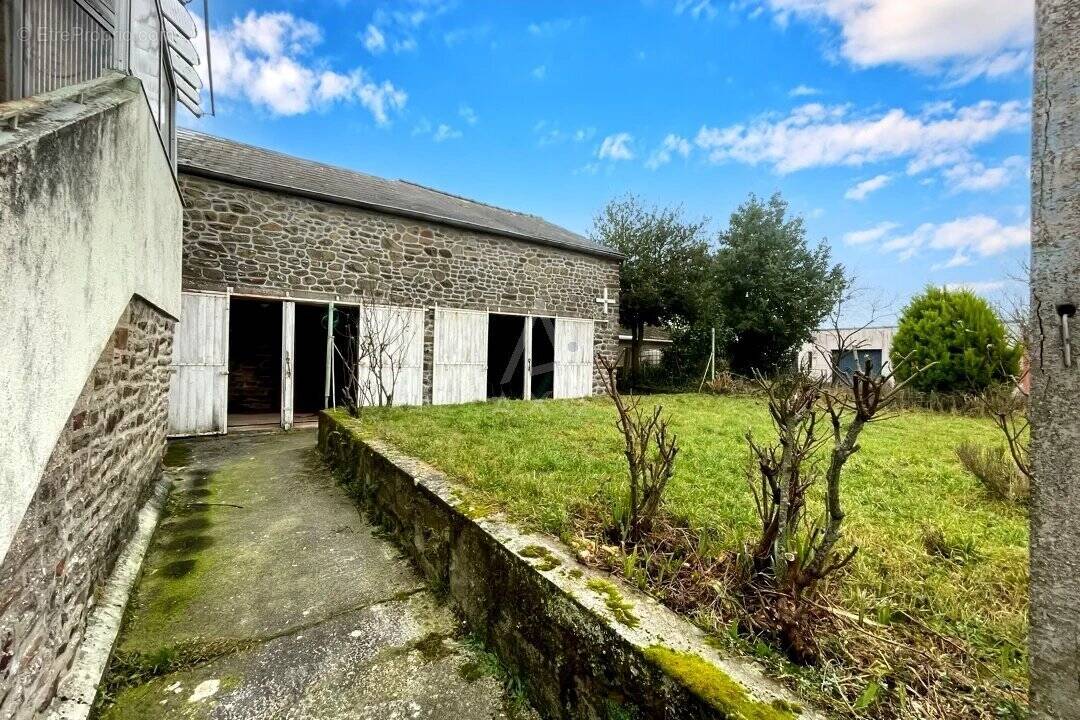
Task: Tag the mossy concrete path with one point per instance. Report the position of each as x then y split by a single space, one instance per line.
265 594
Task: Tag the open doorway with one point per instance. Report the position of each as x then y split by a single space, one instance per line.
343 377
542 384
309 358
506 356
254 362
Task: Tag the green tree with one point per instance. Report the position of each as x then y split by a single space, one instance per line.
773 288
961 333
665 272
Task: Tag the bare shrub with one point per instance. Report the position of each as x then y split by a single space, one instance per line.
650 451
729 383
995 468
374 356
797 549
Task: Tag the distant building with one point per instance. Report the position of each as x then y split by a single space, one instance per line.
655 342
820 355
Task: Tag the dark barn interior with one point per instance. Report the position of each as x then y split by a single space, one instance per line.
543 358
346 351
309 359
254 360
506 356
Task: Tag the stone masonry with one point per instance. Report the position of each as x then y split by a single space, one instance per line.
83 511
268 243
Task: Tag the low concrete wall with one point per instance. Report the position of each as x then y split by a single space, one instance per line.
583 644
90 216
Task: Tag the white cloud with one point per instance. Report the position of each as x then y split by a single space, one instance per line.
696 9
959 259
583 134
803 91
549 133
373 39
539 72
975 176
870 235
980 287
933 159
964 39
422 127
264 59
473 33
860 190
551 28
275 33
444 132
979 234
467 114
816 135
616 147
672 144
394 27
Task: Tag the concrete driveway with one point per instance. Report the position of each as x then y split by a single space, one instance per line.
265 594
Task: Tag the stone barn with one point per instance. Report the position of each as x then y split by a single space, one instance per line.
284 258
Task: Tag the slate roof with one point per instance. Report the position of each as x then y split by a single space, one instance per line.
215 157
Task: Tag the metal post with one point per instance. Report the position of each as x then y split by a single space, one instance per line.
712 354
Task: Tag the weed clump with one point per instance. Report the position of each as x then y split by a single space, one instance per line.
995 469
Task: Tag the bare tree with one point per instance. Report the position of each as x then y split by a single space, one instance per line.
650 455
795 550
1007 403
374 356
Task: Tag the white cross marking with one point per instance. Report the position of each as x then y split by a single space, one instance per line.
606 301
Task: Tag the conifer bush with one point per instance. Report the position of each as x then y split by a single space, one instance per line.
959 340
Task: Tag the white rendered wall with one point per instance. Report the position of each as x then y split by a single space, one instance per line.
871 338
90 215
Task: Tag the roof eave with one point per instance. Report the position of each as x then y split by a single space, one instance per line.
189 169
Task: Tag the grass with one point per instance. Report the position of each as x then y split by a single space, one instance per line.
542 462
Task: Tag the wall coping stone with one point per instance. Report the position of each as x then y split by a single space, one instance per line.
558 635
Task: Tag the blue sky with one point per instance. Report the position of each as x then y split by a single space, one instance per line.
900 130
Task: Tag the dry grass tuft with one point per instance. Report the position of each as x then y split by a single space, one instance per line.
995 469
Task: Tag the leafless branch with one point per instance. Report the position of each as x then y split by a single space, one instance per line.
650 450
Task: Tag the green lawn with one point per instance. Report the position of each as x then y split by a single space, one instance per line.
542 460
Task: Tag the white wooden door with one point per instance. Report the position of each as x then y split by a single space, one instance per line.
288 328
573 358
199 386
400 331
459 374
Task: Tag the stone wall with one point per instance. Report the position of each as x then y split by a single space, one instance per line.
90 215
84 509
267 243
548 618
